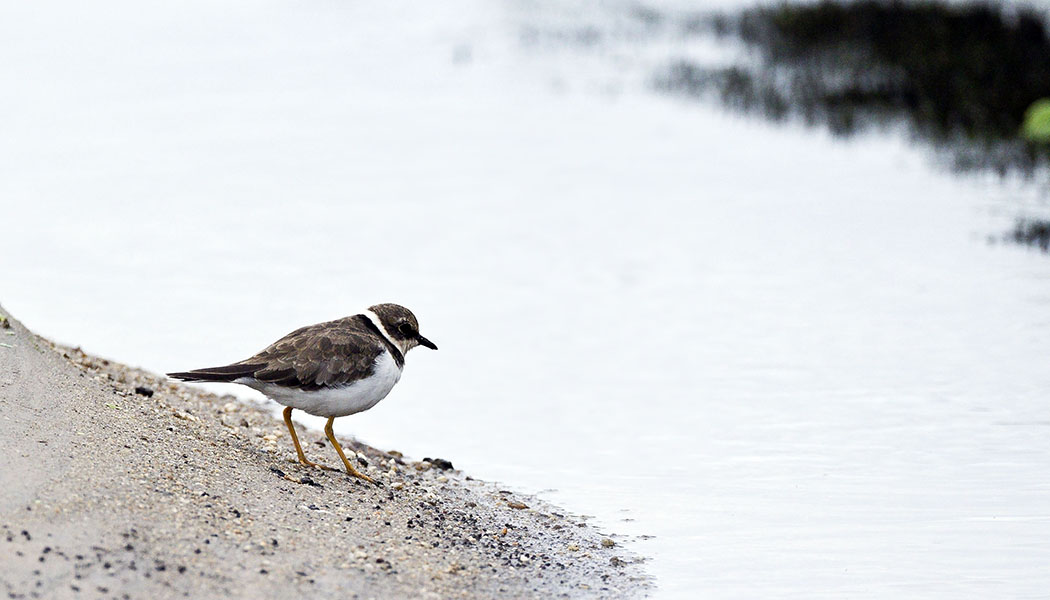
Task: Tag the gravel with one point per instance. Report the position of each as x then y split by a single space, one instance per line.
120 483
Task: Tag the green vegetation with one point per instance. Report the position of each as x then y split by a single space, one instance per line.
1037 121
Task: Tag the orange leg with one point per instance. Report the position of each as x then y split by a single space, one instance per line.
349 468
295 440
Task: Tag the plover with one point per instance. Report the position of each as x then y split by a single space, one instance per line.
331 369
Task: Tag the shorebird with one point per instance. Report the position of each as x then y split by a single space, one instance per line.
330 369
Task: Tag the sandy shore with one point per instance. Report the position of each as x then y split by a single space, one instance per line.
119 483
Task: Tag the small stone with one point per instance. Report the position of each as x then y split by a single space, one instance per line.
398 486
144 391
607 543
573 547
440 463
517 505
617 562
442 479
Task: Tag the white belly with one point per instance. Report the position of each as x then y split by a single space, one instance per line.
340 401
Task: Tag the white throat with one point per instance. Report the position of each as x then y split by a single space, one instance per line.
374 318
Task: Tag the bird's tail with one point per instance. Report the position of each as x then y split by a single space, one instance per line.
227 373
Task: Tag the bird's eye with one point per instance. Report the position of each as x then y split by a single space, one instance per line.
406 329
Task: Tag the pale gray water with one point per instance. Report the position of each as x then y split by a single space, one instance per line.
793 360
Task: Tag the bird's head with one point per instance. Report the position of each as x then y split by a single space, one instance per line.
401 326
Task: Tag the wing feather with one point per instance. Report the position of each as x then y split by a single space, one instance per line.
321 355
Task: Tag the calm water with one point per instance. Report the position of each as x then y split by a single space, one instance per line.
795 361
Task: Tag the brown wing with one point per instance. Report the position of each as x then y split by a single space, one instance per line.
308 358
319 355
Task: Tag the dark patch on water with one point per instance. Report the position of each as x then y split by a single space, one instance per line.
960 76
1031 232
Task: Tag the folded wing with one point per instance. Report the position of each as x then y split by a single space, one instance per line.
322 355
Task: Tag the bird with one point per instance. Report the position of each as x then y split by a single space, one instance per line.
331 369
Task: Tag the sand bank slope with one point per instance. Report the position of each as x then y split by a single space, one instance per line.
119 483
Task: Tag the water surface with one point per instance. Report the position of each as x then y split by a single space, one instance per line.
792 359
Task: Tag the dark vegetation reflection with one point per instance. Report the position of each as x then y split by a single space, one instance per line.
1031 232
960 77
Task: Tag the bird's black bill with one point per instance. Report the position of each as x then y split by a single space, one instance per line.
425 342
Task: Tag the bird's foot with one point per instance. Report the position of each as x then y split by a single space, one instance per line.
360 475
310 463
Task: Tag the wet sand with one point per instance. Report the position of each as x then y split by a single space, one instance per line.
119 483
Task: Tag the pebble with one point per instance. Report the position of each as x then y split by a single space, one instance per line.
608 543
440 463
